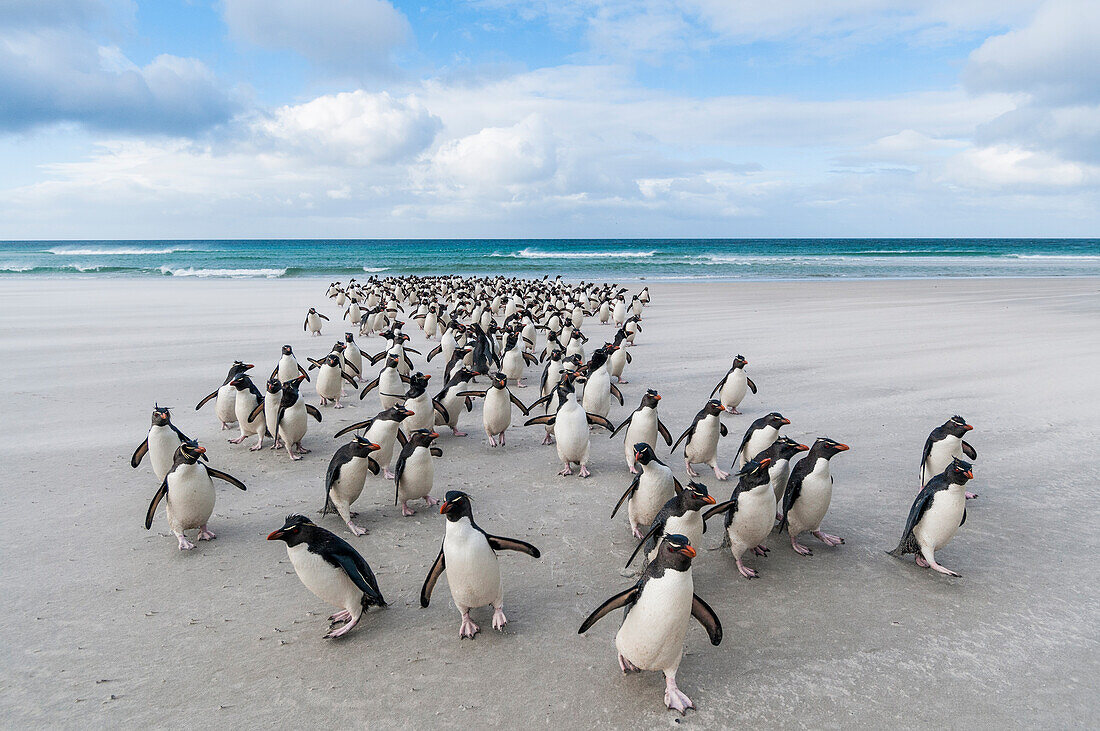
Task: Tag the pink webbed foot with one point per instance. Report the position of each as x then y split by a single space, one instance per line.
566 471
690 471
185 545
637 533
492 440
499 620
621 380
827 539
342 616
300 449
547 439
334 633
799 548
721 475
942 569
431 501
387 473
921 562
468 628
458 433
761 550
337 405
971 495
406 510
733 410
584 471
205 534
674 697
238 440
294 457
746 571
501 439
224 426
627 666
256 447
356 529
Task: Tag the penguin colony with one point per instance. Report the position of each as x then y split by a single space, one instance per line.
491 329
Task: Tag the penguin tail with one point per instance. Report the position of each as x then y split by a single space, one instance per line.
902 548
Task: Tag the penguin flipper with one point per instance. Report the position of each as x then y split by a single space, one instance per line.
687 433
323 317
300 370
313 411
227 477
620 426
441 410
519 404
434 352
969 450
630 490
402 438
722 429
730 505
411 350
349 379
629 358
140 452
469 404
663 431
706 616
358 570
203 402
313 363
368 388
256 411
432 577
922 502
622 599
476 394
357 425
752 386
544 419
600 421
373 465
719 385
305 323
543 400
528 358
156 501
656 529
408 360
500 543
790 497
435 451
617 393
679 489
274 372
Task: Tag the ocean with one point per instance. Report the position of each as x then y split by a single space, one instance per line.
603 259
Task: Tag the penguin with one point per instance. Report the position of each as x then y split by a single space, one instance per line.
188 493
682 514
415 471
330 386
598 388
458 358
331 569
781 451
226 396
248 405
759 436
702 436
632 326
447 343
353 357
809 491
160 443
291 421
382 429
389 383
937 513
650 489
515 359
452 402
618 312
469 556
750 513
288 369
731 389
497 412
423 407
270 405
570 423
943 445
312 324
643 426
484 355
345 477
619 358
657 610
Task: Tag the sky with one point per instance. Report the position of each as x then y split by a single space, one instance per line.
124 119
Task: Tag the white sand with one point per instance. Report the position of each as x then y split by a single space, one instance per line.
105 623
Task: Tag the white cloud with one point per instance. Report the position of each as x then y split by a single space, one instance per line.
1005 167
353 36
496 159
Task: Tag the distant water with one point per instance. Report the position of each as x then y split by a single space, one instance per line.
604 259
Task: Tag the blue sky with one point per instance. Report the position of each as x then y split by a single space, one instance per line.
542 118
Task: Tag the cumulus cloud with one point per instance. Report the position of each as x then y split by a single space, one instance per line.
352 36
498 158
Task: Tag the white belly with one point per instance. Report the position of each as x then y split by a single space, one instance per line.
655 488
383 433
597 393
702 446
942 518
354 357
454 404
329 383
760 440
243 406
328 582
293 426
288 368
753 520
652 636
571 432
313 322
163 443
349 485
734 388
389 382
224 404
473 572
271 409
497 411
418 475
778 474
942 454
423 414
618 362
190 500
643 428
813 500
512 366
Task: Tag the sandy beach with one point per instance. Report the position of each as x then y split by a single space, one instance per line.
105 623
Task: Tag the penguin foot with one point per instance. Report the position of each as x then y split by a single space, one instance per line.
501 439
499 620
334 633
943 569
829 540
800 549
357 530
300 449
256 447
224 426
627 666
675 699
388 474
337 405
720 474
492 440
547 439
746 571
185 545
584 471
637 533
238 440
971 495
921 562
468 628
205 534
342 616
406 510
733 410
633 469
566 471
294 457
431 501
690 471
458 433
761 550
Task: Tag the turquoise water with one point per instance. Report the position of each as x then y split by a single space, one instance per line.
718 259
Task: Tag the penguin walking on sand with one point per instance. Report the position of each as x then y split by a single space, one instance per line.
423 407
750 513
389 382
414 475
643 426
570 423
331 569
937 513
453 402
731 389
353 357
682 514
515 359
224 406
780 453
160 443
616 364
598 388
188 493
702 436
288 368
291 420
648 492
383 429
248 405
345 477
809 492
497 411
312 325
759 436
657 611
944 445
468 555
330 381
273 396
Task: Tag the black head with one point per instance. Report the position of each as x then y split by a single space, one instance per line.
332 359
696 496
422 437
239 367
499 380
650 399
565 388
312 311
338 347
675 552
827 448
287 350
774 419
349 338
419 381
394 413
241 382
190 452
361 446
290 391
160 415
598 358
296 530
556 354
713 407
739 362
959 472
456 505
956 426
754 473
392 360
274 385
463 374
784 448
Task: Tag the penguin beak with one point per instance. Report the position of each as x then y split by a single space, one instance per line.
444 508
765 462
275 535
200 450
969 474
428 377
842 447
688 551
803 448
786 420
434 435
374 447
657 396
968 427
249 365
410 413
709 500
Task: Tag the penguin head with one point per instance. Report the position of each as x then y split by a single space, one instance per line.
361 446
956 426
338 347
287 350
713 407
499 380
754 473
394 413
828 448
643 453
274 385
296 530
392 360
419 380
675 552
190 452
556 354
290 390
739 362
239 367
333 359
785 447
774 419
456 505
161 417
241 382
349 338
313 310
422 437
695 496
959 472
650 399
463 374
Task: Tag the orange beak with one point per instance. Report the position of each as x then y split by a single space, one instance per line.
201 450
428 377
688 551
434 435
444 507
969 427
709 500
658 397
765 462
275 535
786 421
803 448
843 447
969 475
